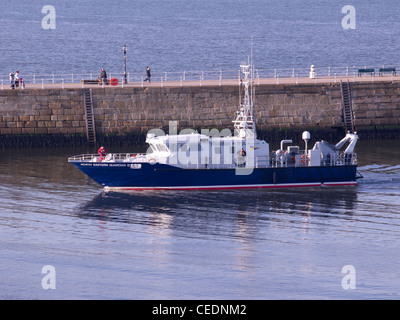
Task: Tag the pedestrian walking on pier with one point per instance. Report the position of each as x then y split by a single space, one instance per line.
103 77
148 74
19 82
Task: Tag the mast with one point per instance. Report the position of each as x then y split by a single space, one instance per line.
244 123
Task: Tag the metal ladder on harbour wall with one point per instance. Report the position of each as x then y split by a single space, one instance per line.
90 128
348 117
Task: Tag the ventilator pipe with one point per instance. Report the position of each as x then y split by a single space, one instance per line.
285 141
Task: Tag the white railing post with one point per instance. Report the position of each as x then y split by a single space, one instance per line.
42 84
34 79
2 85
181 81
62 83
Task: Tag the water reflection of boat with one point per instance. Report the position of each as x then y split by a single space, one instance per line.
224 161
214 212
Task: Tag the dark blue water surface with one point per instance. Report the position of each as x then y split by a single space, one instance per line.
178 35
259 244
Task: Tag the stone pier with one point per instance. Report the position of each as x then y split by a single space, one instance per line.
57 114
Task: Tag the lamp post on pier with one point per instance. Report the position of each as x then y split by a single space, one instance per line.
125 79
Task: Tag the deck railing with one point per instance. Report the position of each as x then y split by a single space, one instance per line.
298 160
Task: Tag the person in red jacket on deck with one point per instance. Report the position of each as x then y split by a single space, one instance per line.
102 152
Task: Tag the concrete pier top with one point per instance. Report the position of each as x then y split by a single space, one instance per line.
223 82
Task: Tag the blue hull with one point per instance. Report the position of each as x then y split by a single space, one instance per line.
160 176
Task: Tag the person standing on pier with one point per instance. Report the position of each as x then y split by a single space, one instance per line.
17 79
148 74
12 80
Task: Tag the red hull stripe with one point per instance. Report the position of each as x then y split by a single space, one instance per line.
288 185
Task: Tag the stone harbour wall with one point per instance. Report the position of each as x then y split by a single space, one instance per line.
59 115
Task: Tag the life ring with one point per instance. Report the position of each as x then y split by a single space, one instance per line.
152 161
304 159
114 81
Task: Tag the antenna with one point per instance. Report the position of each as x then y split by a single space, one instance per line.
251 70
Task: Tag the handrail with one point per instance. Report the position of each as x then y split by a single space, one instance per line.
259 162
323 72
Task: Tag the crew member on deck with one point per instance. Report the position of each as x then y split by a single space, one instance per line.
102 152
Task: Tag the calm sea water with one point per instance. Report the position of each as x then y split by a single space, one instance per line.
260 244
285 244
178 35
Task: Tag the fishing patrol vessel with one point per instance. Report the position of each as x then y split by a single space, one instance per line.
196 161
